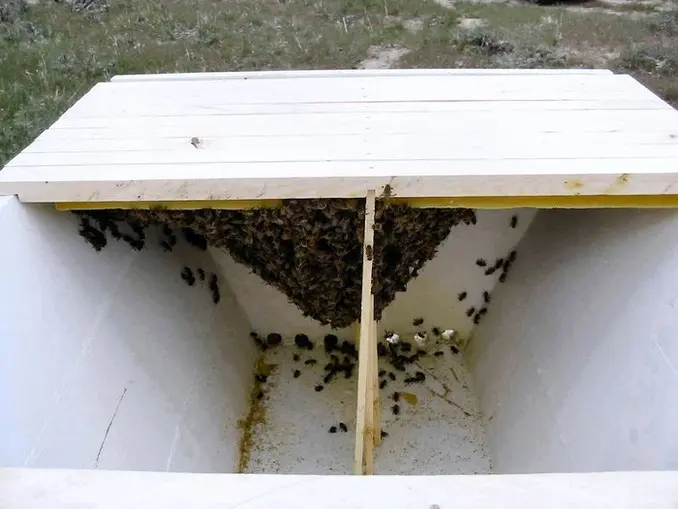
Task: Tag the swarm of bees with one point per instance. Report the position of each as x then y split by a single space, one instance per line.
311 250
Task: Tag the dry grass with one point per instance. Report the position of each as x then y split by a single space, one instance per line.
50 54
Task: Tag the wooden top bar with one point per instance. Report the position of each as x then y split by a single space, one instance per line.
308 134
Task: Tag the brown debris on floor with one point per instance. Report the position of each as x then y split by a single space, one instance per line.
311 250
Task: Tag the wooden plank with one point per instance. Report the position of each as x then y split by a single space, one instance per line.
125 141
209 97
71 135
417 145
363 453
406 179
81 121
342 73
171 205
33 488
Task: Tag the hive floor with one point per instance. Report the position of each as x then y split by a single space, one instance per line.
432 436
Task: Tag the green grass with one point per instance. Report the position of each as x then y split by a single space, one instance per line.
50 55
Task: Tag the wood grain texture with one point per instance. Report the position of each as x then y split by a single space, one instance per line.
364 434
427 134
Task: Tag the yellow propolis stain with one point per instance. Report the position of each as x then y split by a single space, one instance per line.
409 397
619 184
574 184
255 415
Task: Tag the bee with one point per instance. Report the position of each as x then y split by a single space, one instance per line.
461 296
260 395
165 246
302 341
333 429
396 396
297 373
476 319
391 376
382 384
214 287
349 348
136 244
435 331
420 377
398 364
486 296
195 239
502 278
480 262
395 409
382 372
454 349
381 350
417 322
490 271
368 252
195 141
482 311
310 362
514 221
512 256
343 427
273 339
187 276
318 388
216 296
470 311
383 434
388 191
296 357
439 354
330 342
261 378
499 263
329 376
201 274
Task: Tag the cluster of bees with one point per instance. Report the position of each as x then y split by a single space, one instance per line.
95 225
213 282
499 266
342 356
311 250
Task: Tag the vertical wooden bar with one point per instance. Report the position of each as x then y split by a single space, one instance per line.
363 451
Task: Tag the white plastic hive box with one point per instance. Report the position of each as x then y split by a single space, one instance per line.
109 360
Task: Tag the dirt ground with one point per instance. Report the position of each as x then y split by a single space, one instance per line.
52 52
